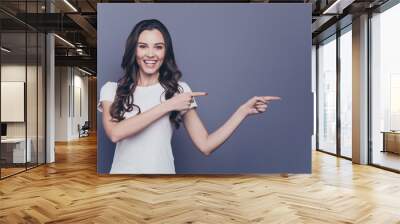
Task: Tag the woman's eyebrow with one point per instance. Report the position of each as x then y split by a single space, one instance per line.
160 43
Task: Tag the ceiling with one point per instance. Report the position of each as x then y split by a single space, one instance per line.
76 22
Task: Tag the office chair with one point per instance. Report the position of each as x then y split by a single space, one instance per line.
84 130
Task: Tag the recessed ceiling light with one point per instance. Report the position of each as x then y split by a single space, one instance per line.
5 49
84 71
70 5
338 6
64 40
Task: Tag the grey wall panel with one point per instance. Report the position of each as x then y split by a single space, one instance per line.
233 52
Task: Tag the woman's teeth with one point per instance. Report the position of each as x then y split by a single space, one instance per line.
151 62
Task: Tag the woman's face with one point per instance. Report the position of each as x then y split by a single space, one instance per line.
150 51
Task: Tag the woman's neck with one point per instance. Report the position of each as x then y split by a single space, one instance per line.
147 80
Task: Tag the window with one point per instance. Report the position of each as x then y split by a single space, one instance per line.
346 92
385 88
327 95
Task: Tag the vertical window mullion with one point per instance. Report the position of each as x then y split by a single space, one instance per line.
26 86
37 89
338 74
317 96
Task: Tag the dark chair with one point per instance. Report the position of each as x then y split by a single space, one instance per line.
84 130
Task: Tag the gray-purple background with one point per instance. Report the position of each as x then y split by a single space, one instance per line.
233 52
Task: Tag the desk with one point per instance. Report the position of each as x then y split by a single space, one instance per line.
15 148
391 141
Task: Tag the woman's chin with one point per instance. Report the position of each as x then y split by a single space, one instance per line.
150 72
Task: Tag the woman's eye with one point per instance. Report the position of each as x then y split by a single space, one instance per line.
159 47
142 46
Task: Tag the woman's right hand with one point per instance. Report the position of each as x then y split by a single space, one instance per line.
257 104
182 101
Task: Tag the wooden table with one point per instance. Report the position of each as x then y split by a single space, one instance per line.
391 141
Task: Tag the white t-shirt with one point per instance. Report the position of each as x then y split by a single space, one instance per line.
149 151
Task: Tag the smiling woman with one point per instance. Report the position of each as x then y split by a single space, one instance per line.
150 51
139 110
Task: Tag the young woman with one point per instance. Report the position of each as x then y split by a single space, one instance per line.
139 111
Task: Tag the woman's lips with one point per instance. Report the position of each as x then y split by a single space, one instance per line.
150 62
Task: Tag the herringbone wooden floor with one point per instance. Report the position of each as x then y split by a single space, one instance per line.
70 191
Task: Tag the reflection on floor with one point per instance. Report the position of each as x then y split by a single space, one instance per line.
10 170
386 159
346 152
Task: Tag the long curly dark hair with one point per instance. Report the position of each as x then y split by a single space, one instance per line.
168 78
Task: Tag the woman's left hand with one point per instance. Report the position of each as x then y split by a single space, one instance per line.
257 104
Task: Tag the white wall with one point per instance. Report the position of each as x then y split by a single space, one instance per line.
70 83
80 83
14 72
17 72
61 103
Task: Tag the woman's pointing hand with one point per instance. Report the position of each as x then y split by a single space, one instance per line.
183 101
257 104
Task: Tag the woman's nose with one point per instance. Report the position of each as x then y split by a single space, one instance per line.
150 53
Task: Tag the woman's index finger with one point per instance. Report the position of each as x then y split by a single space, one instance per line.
271 98
198 94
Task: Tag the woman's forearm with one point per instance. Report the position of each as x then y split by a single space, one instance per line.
120 130
135 124
218 137
207 143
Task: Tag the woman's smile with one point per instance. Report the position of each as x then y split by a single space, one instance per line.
150 63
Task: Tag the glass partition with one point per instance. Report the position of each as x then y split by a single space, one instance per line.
13 95
327 95
22 88
31 97
41 96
